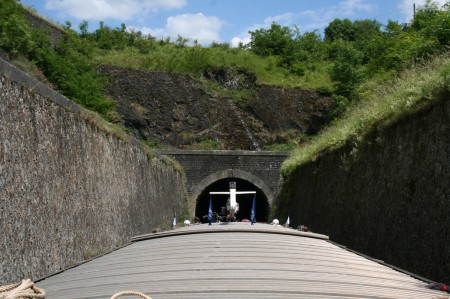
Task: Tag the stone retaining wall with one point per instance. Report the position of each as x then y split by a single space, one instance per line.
69 190
390 200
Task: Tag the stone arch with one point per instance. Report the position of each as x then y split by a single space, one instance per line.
230 173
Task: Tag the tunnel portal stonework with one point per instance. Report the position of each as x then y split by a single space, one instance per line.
203 168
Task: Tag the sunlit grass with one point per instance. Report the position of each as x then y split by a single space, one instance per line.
192 60
381 106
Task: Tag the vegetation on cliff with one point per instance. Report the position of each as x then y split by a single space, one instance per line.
351 57
383 105
66 64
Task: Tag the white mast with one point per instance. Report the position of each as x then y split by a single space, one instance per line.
234 207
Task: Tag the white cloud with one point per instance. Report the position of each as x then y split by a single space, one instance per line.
204 29
110 9
237 40
195 26
406 7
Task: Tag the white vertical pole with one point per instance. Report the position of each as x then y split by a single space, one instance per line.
232 199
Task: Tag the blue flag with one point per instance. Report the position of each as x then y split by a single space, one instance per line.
252 215
210 211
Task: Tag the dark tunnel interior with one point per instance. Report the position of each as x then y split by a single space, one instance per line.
244 200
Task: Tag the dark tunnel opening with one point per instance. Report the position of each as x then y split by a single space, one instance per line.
244 200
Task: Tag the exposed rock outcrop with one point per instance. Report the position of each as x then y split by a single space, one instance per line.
176 111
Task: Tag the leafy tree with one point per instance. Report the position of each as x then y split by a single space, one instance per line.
365 30
392 28
84 28
425 14
433 22
108 39
346 70
273 41
312 43
440 27
340 29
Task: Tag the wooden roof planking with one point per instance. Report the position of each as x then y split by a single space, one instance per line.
235 260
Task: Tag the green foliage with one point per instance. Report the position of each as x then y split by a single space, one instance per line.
425 15
340 105
281 147
433 21
340 29
273 41
108 38
206 144
312 44
351 53
68 67
384 105
15 35
151 143
297 53
67 63
346 71
196 60
144 46
223 46
298 68
365 30
181 42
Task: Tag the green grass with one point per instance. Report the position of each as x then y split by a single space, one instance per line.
380 107
206 144
151 143
193 60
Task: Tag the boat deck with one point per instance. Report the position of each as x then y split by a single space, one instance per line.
235 260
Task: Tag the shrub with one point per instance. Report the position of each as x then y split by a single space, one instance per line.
15 35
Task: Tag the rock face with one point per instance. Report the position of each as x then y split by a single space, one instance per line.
175 110
285 109
231 78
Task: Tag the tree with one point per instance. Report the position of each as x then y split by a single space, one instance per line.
84 28
434 22
340 29
366 29
425 14
392 28
274 41
312 43
346 70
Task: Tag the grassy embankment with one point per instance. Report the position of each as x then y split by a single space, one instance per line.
382 106
193 60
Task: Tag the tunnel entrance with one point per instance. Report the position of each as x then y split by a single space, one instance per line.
244 200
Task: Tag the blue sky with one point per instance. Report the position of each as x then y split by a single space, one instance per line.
218 20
